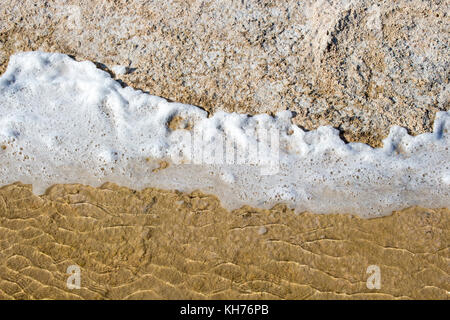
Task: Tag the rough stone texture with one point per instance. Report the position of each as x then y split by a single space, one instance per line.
359 65
160 244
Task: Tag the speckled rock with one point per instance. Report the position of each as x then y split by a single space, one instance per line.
358 65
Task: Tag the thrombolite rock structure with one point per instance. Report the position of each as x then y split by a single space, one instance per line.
358 65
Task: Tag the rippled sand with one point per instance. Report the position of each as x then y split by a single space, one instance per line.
171 245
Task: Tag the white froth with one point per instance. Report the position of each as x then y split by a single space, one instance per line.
63 121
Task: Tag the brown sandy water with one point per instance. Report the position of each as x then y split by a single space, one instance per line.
160 244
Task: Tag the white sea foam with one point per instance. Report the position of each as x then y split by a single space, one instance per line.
63 121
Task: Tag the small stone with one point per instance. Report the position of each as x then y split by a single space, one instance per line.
119 70
262 230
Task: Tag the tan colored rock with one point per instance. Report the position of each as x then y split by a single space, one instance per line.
359 65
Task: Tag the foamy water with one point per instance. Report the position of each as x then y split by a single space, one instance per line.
63 121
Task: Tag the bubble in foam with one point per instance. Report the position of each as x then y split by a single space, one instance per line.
446 178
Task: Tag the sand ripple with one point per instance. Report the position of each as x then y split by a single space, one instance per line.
157 244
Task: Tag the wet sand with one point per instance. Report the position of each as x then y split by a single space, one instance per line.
158 244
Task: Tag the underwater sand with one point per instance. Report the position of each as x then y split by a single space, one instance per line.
158 244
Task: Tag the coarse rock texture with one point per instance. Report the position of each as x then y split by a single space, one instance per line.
160 244
358 65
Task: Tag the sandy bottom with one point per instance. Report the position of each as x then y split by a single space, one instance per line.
157 244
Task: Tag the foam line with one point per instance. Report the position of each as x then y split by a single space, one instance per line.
63 121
